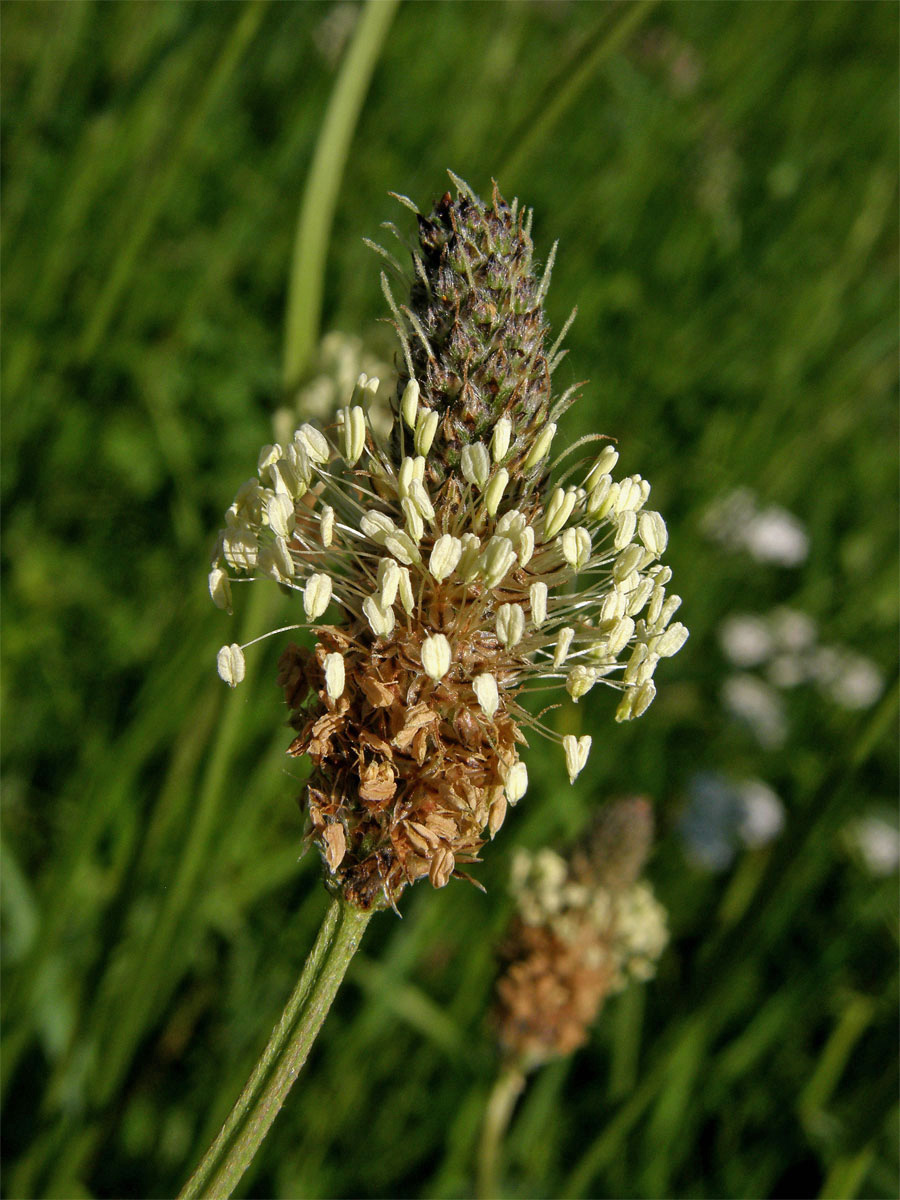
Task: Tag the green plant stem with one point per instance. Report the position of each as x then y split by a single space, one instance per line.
306 284
506 1090
259 1103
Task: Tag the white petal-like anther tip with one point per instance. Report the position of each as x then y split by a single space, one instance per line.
230 664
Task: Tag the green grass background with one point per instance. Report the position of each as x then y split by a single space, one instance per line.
722 179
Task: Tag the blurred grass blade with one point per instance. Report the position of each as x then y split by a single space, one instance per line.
245 27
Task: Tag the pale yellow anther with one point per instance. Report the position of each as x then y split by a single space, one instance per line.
639 596
498 557
405 477
576 751
620 635
606 460
629 560
406 595
500 440
653 533
275 561
614 605
280 514
559 509
475 463
403 548
230 664
580 680
334 675
516 782
316 595
445 556
636 701
525 545
414 523
603 498
510 624
314 443
240 548
470 558
426 428
672 640
268 456
220 589
421 499
388 581
326 526
436 656
563 645
377 526
627 524
409 403
485 688
353 433
540 448
537 594
380 619
511 523
494 491
576 547
632 667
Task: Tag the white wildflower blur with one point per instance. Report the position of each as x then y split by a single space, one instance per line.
722 815
769 535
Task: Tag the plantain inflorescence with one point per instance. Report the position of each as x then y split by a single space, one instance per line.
445 568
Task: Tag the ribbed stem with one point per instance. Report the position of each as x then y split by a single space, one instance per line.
258 1105
501 1102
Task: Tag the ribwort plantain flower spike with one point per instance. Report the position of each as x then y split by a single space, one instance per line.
446 570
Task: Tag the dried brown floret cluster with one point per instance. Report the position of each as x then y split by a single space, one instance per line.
585 927
458 570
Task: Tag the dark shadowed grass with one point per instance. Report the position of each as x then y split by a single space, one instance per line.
722 180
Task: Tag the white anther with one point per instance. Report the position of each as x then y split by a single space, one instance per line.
566 635
420 498
636 701
498 557
388 581
540 448
602 498
525 545
445 555
576 751
403 548
316 595
475 463
606 460
580 680
436 656
326 526
405 477
380 619
511 523
471 555
576 547
559 509
621 635
314 442
280 514
653 533
639 596
275 561
414 522
632 668
629 497
406 596
334 675
353 433
501 438
409 403
268 456
672 640
377 526
230 664
537 594
426 428
240 547
494 491
510 624
625 530
485 688
613 606
668 610
629 560
516 782
220 589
